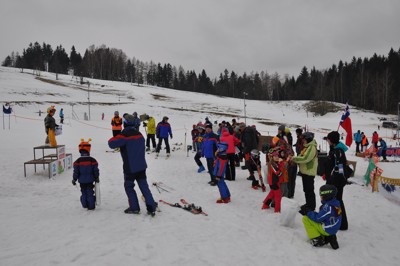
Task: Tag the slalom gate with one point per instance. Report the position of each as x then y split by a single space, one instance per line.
387 187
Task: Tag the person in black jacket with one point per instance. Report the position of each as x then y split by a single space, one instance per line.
335 170
249 141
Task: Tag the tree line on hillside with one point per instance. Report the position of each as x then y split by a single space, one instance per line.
371 83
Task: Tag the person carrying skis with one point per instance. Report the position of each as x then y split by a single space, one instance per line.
50 127
198 143
116 124
86 172
131 143
151 132
255 165
194 133
219 172
209 148
163 130
275 170
322 226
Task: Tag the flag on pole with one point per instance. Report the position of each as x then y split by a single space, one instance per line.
345 123
7 109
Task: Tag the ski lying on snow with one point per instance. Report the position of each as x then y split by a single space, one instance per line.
198 209
187 207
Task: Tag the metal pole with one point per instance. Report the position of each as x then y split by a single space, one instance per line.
244 106
88 91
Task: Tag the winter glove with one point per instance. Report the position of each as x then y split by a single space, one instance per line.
74 182
263 188
304 210
171 136
97 180
274 187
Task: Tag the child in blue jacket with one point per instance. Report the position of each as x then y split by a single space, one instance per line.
210 140
86 171
322 226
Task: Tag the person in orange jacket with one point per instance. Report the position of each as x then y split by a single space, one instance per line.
116 124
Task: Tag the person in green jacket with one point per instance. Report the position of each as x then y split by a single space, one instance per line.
308 163
151 132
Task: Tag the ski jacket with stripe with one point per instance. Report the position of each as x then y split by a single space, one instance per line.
132 146
210 141
86 169
163 130
329 215
275 173
230 139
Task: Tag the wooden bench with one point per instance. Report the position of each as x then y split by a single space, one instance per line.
42 161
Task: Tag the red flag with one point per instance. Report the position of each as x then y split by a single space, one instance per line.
345 123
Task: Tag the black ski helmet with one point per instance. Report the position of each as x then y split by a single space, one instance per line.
308 136
327 192
265 148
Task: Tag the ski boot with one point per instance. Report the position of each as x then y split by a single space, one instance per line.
151 213
201 169
227 200
213 183
255 185
318 241
266 204
251 178
332 240
130 211
147 149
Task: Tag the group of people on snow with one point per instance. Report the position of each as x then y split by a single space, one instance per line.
223 151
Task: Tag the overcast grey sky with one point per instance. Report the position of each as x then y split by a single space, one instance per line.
242 36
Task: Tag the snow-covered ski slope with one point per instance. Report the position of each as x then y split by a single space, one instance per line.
42 222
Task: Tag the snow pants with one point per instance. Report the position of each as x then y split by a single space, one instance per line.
88 200
197 159
230 168
276 196
210 165
292 173
308 188
129 185
160 142
152 138
219 172
313 229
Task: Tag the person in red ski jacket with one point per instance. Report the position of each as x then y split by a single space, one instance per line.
375 139
274 180
232 142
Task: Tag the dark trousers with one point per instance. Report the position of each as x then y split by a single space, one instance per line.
308 188
151 137
129 185
358 147
88 199
230 173
339 197
160 142
194 145
210 168
384 154
116 132
292 173
197 159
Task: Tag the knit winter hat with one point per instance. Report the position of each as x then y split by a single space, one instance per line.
129 120
333 137
281 128
208 126
85 146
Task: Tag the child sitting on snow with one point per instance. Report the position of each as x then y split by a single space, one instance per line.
322 226
219 172
86 171
275 168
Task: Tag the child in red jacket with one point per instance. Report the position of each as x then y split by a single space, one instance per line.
274 180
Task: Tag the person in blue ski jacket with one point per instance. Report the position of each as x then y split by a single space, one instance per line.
137 121
163 131
383 147
86 171
198 142
357 139
322 226
210 140
132 147
61 114
221 162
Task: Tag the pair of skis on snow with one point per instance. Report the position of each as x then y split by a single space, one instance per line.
190 207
